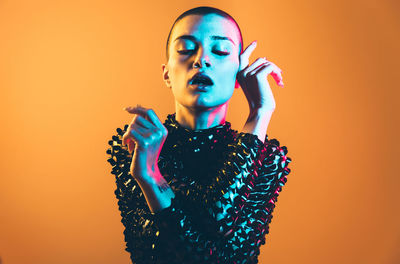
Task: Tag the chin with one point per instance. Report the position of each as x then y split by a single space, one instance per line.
209 105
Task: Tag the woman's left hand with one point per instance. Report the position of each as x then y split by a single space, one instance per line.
253 80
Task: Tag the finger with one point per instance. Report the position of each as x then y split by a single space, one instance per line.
278 78
154 118
277 74
150 115
135 120
143 122
244 57
140 129
138 118
267 69
132 134
254 66
134 142
127 137
139 110
131 145
258 69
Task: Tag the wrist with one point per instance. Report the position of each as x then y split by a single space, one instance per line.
257 122
149 180
157 191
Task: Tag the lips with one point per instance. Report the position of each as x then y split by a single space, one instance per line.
201 79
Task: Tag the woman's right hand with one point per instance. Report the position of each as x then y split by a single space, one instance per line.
146 134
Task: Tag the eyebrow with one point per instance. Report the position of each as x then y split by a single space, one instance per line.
190 37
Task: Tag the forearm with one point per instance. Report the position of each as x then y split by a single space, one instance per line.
257 123
158 193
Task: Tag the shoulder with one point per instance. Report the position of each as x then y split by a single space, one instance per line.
272 147
249 141
274 160
116 151
120 160
268 151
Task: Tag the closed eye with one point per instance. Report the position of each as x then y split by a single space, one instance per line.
184 51
221 53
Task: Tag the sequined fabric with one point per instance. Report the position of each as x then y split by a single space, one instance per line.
226 185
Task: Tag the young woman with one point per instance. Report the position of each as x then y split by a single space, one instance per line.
193 190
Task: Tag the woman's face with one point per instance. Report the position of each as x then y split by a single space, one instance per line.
203 43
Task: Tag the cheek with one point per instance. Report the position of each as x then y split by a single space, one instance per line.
228 70
177 74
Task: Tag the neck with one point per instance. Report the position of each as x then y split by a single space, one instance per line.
200 119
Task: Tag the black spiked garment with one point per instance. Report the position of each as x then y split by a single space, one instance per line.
226 185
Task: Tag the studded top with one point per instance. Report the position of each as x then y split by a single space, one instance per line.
226 185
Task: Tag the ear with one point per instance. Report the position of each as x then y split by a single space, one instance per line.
165 75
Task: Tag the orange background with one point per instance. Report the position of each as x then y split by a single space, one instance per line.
67 68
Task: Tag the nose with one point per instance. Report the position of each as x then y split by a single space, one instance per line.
201 60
